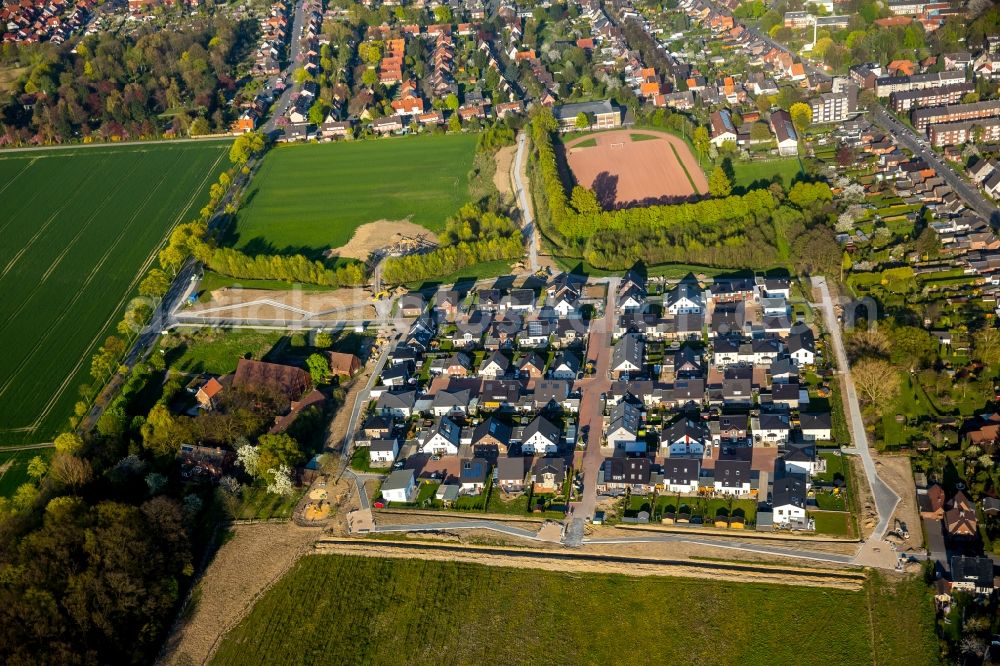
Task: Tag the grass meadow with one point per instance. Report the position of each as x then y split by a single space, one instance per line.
14 468
311 197
78 227
339 610
746 174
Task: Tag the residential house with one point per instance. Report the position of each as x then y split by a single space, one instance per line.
801 345
532 366
622 432
472 476
686 438
209 394
401 486
494 366
383 452
732 477
972 574
627 355
960 519
784 133
511 474
540 436
680 475
788 502
491 438
548 475
443 438
343 364
565 366
620 474
685 298
816 426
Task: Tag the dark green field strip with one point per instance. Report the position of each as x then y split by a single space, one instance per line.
68 287
314 196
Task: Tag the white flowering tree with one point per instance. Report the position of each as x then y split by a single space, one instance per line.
280 482
247 457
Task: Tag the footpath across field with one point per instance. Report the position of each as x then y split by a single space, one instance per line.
78 227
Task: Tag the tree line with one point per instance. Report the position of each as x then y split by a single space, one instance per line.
726 231
470 237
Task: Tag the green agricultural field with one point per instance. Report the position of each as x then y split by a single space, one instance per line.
78 226
339 610
311 197
14 468
747 173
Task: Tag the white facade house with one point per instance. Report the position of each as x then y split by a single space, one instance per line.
401 486
681 476
788 500
443 439
541 436
383 452
816 426
732 477
685 298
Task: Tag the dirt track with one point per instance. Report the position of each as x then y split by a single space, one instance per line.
624 172
585 563
243 569
501 178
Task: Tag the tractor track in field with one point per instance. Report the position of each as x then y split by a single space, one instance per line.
83 287
57 394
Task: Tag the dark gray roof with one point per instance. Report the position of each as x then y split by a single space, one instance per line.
976 570
789 490
681 470
570 111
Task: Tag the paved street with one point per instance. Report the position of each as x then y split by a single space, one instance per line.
885 499
527 220
592 408
909 139
284 101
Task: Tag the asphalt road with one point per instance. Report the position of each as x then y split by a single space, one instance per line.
527 220
885 499
918 145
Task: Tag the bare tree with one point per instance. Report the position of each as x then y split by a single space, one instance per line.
867 342
876 380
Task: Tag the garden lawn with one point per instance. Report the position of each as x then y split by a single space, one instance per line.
311 197
747 173
338 610
77 228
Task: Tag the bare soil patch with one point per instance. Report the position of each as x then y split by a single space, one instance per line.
898 474
624 173
501 177
287 306
539 559
242 570
375 235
